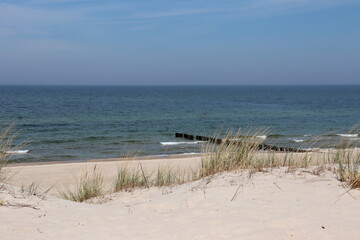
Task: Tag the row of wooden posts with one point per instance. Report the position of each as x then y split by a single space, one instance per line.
219 141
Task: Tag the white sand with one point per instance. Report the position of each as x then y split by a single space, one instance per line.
274 205
63 175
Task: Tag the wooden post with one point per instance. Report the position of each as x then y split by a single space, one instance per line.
179 135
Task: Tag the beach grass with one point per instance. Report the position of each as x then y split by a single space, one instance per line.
347 165
170 176
128 178
90 186
237 151
31 189
165 177
346 159
7 136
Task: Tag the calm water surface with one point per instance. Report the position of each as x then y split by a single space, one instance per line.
75 123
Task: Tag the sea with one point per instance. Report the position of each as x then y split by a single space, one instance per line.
75 123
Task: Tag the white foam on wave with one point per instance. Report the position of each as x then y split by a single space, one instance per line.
241 138
297 140
315 149
262 136
17 151
347 135
179 143
175 154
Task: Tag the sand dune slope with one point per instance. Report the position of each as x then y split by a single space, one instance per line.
273 205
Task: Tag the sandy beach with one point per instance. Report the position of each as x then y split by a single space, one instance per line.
269 205
179 120
66 174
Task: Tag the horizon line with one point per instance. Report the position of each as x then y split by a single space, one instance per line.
174 85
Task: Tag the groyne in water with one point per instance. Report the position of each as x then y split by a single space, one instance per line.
268 147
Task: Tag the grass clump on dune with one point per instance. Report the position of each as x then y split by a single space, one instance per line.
164 177
234 152
90 186
127 179
7 137
168 176
348 166
346 160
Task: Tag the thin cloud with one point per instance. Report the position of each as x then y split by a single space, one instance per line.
244 8
38 2
13 15
38 13
299 5
173 13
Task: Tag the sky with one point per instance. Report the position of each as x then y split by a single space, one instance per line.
184 42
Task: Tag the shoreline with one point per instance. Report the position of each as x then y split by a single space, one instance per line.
119 159
153 157
161 156
67 173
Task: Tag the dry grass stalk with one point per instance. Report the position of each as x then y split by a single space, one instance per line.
31 189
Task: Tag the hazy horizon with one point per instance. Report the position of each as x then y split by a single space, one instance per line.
176 85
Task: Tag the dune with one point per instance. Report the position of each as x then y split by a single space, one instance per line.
268 205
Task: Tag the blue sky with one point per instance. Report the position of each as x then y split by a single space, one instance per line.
165 42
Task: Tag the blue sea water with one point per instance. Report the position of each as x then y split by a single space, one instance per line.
78 122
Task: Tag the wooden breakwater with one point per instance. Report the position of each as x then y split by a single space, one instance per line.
269 147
